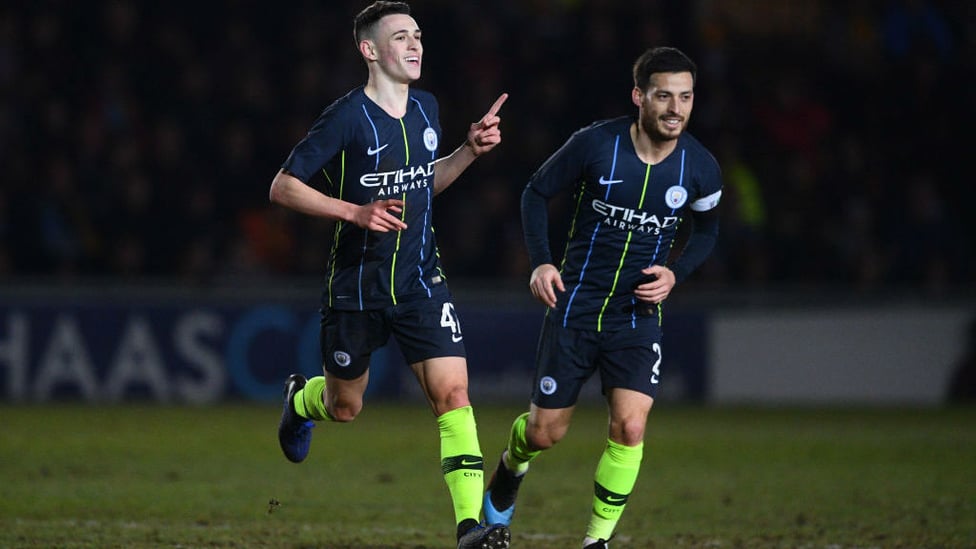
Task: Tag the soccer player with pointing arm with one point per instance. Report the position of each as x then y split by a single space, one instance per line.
377 150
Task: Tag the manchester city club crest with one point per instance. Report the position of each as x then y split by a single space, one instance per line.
547 385
430 139
342 358
676 197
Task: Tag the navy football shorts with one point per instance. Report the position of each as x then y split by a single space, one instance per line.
566 358
425 328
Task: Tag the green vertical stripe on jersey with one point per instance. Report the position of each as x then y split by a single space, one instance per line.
616 277
338 226
396 251
623 255
403 217
572 230
406 144
437 254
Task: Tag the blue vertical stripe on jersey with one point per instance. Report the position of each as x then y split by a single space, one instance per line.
376 165
427 222
423 243
433 153
586 262
613 165
376 137
657 249
596 230
623 255
681 183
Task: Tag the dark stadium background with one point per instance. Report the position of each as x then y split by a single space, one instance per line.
139 140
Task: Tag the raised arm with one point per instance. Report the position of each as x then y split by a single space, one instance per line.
482 137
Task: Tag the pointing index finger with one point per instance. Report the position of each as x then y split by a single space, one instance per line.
498 105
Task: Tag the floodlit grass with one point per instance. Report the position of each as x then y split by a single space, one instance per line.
156 476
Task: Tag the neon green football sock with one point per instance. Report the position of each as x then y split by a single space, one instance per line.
519 454
309 401
461 462
616 474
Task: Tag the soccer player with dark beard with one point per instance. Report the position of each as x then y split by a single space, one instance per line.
635 181
376 149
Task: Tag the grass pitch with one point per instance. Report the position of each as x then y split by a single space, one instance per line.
156 476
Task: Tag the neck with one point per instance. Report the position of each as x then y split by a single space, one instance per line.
389 95
650 150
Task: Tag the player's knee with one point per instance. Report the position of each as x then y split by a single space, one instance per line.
544 438
345 412
452 399
628 433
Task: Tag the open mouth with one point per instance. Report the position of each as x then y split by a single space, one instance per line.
672 122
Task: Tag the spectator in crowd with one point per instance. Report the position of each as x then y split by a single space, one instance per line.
179 111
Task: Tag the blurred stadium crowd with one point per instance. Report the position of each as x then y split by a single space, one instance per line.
139 139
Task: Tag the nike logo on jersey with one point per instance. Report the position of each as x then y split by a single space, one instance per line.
604 181
371 151
456 338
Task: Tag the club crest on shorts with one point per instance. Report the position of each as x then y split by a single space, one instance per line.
676 196
341 358
548 385
430 139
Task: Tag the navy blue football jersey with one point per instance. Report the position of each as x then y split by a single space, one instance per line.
365 155
626 218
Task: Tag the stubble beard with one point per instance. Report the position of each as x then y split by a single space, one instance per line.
654 128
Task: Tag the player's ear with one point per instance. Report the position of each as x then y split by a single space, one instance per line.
636 95
368 50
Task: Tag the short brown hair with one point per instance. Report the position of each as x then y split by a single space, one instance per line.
366 19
